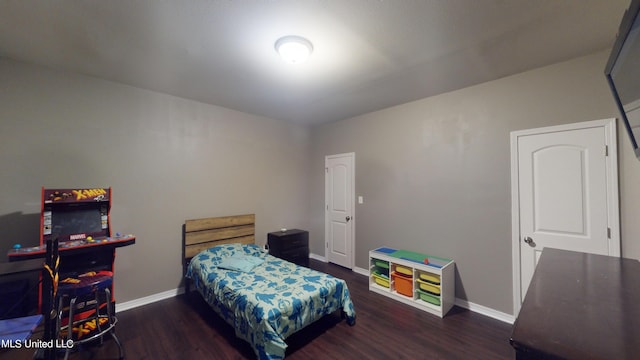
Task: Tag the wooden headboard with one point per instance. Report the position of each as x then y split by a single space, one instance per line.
201 234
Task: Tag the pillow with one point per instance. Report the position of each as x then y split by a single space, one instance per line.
220 252
243 263
226 250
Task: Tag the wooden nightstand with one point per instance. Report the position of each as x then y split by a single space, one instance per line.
291 245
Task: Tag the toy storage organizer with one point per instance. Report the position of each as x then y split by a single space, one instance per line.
423 281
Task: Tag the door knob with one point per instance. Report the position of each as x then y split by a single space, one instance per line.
528 240
348 218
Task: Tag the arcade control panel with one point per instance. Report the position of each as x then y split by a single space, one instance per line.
75 246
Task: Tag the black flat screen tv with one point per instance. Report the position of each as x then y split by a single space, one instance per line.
623 72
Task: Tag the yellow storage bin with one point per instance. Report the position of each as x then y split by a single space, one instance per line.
426 286
432 278
404 270
380 280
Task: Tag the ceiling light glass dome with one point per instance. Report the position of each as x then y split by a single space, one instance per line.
294 49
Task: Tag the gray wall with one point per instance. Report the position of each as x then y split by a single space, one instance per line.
435 173
167 159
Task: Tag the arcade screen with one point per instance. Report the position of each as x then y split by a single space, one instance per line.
76 220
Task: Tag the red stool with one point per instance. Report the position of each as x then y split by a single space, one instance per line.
94 290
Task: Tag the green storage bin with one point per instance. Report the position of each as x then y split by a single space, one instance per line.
424 296
381 263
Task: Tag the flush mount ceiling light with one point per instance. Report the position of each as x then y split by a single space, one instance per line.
294 49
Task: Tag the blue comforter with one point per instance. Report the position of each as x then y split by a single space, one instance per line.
266 299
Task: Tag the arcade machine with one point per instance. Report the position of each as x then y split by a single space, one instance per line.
78 220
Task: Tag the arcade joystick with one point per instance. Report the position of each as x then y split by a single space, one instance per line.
17 247
118 234
90 239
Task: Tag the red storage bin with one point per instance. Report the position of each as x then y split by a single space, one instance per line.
403 284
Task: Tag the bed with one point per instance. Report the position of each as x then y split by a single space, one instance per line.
264 298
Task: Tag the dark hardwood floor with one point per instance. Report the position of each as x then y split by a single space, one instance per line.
185 327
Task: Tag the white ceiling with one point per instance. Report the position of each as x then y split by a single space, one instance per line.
368 54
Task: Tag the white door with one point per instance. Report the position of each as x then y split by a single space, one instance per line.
339 209
565 188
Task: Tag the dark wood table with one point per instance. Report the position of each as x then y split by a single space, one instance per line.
580 306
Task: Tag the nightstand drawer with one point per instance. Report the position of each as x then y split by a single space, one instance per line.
295 253
297 241
282 240
291 245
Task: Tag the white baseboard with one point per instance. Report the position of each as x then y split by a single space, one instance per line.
128 305
358 270
361 271
483 310
317 257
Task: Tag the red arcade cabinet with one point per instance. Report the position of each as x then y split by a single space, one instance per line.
80 220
